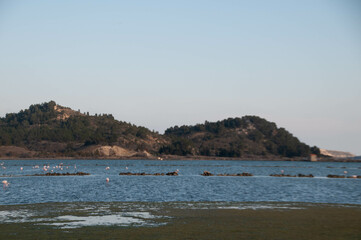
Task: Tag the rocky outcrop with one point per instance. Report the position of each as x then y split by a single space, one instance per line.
149 174
244 174
206 173
354 176
335 176
288 175
343 176
133 174
302 175
282 175
336 154
112 151
172 173
61 174
158 174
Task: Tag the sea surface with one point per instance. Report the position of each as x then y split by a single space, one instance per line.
189 186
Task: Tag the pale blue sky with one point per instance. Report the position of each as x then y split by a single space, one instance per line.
165 63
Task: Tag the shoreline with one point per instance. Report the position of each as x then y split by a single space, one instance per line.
184 158
195 204
180 220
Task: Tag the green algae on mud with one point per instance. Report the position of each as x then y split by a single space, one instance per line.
180 220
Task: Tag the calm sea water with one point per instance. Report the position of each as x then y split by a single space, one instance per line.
188 186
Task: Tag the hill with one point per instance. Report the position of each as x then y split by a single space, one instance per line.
235 137
51 130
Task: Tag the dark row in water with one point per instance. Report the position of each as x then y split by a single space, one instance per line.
61 174
205 173
149 174
343 176
288 175
244 174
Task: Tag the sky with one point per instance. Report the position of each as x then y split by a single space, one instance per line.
164 63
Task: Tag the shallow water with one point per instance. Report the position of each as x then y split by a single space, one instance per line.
188 186
68 215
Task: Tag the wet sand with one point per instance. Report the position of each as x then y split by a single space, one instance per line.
185 220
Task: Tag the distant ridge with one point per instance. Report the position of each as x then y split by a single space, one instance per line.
53 131
336 154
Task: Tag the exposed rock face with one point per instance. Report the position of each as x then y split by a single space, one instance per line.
65 113
115 151
336 154
144 154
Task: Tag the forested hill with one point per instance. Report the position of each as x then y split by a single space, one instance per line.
235 137
51 130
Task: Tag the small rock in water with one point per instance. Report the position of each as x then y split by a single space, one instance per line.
282 175
206 173
302 175
335 176
172 173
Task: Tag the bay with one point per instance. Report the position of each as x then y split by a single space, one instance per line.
189 186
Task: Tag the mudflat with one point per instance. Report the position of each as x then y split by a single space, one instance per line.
183 220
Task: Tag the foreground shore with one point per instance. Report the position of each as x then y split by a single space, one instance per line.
180 220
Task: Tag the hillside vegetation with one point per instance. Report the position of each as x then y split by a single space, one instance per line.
53 130
50 130
235 137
